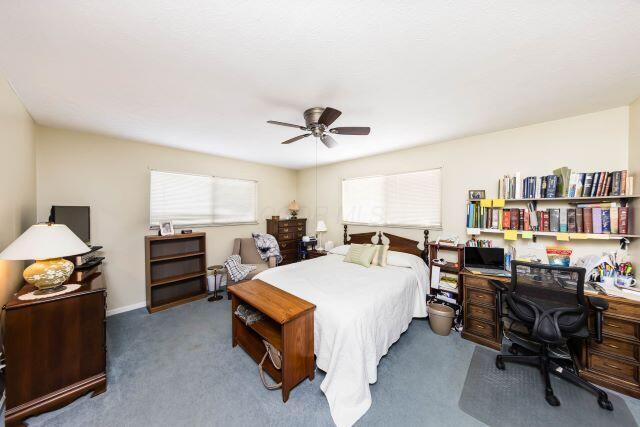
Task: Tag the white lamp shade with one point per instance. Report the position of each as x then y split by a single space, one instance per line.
45 241
321 226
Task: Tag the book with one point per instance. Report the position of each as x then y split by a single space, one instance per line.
571 221
615 184
545 220
597 220
623 183
579 185
579 221
614 220
572 184
606 221
515 218
623 220
495 218
563 221
607 187
506 219
533 217
554 219
588 183
552 186
629 191
588 220
527 220
603 177
562 181
594 185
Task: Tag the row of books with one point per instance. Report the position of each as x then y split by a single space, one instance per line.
563 183
605 218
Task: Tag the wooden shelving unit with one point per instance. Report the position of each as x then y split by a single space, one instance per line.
450 267
176 270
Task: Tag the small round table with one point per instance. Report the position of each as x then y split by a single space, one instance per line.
215 271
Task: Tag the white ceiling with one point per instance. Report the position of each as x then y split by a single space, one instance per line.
206 75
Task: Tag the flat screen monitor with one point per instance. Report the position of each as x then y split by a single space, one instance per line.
74 217
484 257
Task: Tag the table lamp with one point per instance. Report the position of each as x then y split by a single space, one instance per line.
294 207
46 244
321 227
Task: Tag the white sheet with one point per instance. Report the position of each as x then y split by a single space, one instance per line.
359 313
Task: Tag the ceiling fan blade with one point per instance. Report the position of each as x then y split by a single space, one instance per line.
328 141
329 115
351 130
297 138
273 122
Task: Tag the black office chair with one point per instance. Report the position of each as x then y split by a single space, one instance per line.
546 303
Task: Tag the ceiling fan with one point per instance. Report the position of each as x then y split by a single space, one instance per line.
318 120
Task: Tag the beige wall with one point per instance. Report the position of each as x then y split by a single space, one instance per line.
597 141
634 167
112 176
17 182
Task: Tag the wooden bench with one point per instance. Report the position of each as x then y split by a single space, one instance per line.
287 325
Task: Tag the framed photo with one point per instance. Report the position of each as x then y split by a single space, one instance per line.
476 194
166 228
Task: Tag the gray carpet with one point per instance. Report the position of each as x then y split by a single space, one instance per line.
515 397
178 368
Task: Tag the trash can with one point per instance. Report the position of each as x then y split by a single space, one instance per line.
441 318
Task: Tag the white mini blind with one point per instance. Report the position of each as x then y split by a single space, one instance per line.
199 200
409 199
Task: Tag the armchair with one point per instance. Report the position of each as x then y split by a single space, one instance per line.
246 248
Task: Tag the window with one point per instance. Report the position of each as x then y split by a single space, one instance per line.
407 199
199 200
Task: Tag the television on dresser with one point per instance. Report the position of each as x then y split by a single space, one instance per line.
77 218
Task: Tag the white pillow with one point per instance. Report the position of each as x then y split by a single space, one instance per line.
340 250
401 259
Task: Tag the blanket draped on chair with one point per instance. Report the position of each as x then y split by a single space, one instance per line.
267 245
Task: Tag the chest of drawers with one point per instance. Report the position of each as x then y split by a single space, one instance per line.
481 323
288 232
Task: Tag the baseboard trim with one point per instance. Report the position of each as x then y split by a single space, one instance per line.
126 308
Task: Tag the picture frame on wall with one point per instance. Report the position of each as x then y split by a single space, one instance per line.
476 194
166 228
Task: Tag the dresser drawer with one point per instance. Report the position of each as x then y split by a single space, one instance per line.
617 347
482 313
288 245
619 327
477 327
479 283
289 257
480 297
287 236
616 368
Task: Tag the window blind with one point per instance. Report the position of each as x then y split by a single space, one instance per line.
409 199
199 200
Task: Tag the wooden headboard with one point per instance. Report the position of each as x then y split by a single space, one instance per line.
396 243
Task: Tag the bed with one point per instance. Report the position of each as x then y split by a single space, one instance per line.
360 313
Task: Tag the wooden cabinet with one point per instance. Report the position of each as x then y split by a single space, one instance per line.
316 254
176 270
481 323
287 325
55 348
615 362
288 232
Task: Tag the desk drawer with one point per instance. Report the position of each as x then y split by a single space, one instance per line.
482 313
622 328
480 297
623 370
624 309
480 328
479 283
617 347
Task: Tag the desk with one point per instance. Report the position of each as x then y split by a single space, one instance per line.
614 363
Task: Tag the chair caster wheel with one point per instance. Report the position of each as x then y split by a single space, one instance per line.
552 400
513 350
605 403
499 363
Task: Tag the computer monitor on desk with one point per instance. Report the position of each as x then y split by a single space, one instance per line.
485 261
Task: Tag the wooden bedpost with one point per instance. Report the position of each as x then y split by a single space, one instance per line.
379 238
344 236
425 251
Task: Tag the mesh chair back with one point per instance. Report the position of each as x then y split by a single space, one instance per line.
550 298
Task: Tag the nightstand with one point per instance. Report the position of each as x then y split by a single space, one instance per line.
315 254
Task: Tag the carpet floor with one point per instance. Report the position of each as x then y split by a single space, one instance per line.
177 367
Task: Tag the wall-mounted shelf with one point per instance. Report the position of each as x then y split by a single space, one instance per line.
581 236
570 199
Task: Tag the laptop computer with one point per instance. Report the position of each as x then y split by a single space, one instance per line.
485 261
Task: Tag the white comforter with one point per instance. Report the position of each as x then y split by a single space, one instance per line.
359 313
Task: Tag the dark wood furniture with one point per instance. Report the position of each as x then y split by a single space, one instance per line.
315 254
449 267
55 348
176 269
396 243
288 326
480 321
288 232
614 363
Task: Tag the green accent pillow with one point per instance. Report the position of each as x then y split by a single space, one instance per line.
360 254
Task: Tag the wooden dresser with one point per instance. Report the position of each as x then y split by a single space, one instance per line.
288 232
615 363
55 348
287 325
